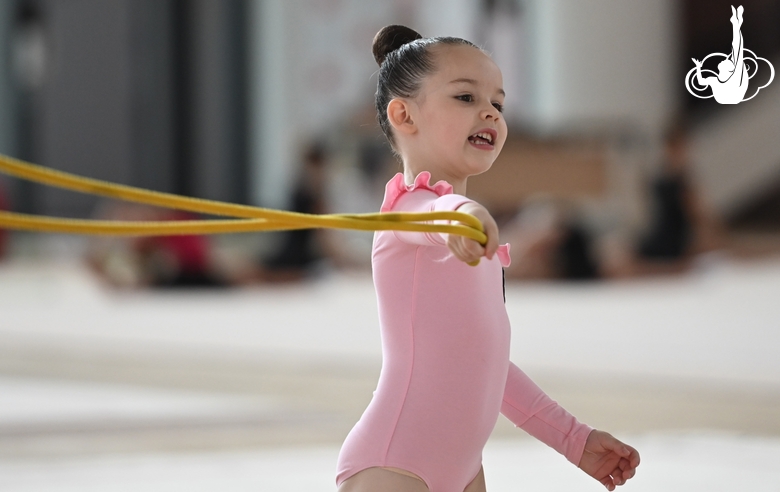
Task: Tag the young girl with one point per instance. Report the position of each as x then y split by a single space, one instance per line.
446 373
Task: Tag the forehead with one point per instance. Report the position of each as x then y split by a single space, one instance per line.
455 62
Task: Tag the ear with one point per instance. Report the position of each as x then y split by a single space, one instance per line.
400 116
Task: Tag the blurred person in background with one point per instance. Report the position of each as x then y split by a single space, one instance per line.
550 241
302 253
178 261
154 261
670 235
574 256
197 260
682 226
534 234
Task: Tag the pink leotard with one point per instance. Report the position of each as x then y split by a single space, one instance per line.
446 373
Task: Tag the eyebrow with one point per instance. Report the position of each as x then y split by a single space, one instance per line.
473 82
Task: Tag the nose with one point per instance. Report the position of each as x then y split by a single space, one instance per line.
490 113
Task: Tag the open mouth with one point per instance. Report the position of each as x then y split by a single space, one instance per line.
483 139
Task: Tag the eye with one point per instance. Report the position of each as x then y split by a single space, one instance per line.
465 98
499 107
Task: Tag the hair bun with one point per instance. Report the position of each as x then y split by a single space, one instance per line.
389 39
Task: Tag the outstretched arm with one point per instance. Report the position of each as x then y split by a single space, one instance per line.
427 201
463 248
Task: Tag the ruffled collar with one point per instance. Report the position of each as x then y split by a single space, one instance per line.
397 186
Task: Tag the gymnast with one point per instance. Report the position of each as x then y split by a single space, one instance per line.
731 84
445 333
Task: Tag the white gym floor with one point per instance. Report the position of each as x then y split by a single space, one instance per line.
253 388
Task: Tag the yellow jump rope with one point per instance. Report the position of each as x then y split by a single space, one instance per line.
251 219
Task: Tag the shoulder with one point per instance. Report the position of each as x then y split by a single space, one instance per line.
397 187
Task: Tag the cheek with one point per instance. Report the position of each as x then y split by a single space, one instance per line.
453 132
503 131
447 129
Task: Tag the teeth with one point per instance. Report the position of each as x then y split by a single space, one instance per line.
485 136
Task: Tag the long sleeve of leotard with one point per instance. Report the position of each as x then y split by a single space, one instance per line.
528 407
426 201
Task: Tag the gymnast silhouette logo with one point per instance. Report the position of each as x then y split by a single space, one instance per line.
730 84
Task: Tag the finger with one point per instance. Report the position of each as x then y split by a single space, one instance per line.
623 450
633 457
462 254
613 444
492 246
617 477
463 249
454 245
610 444
491 230
627 469
629 473
608 483
473 249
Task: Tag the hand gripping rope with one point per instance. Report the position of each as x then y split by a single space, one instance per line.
251 219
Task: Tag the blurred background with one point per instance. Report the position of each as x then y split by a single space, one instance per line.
644 224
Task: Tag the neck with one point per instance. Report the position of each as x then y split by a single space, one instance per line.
458 183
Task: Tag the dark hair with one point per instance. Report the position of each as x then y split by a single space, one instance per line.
404 59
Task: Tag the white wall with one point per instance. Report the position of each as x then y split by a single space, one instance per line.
312 67
269 131
601 61
587 62
456 18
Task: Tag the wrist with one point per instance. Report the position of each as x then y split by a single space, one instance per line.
588 443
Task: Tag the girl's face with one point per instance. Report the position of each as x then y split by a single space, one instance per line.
457 112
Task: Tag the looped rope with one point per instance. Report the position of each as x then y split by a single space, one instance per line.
251 219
